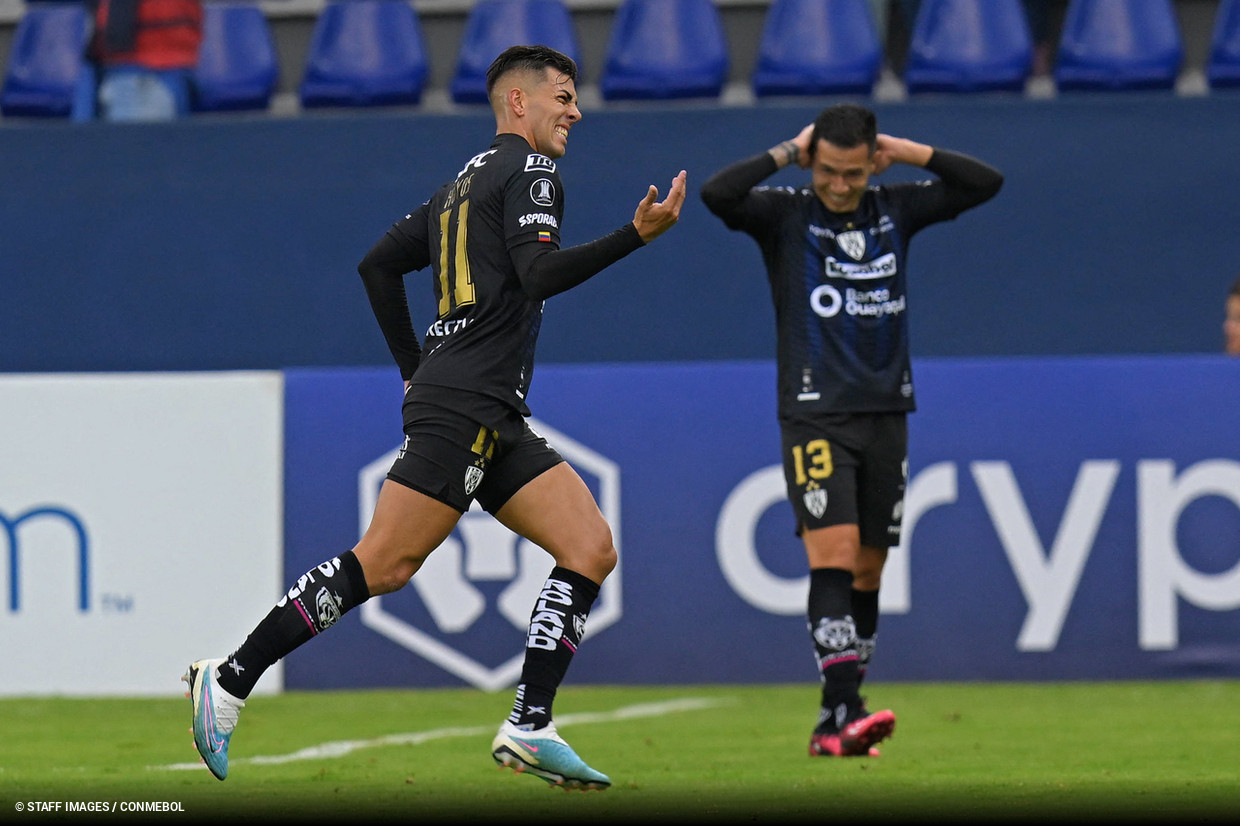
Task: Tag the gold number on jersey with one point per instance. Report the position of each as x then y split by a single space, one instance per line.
456 288
819 453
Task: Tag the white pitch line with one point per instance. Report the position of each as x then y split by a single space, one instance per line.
339 748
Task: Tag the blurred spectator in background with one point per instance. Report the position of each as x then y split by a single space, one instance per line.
144 51
1231 322
1045 27
896 19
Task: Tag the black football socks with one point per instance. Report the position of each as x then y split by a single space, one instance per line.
314 603
865 614
834 632
556 626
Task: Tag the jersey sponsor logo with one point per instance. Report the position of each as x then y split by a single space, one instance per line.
538 218
826 302
852 242
542 192
883 266
536 161
872 302
443 328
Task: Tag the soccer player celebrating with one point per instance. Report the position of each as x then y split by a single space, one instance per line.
491 237
835 255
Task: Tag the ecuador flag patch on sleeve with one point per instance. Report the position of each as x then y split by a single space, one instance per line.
543 235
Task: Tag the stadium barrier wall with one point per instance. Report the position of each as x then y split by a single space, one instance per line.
232 243
1066 518
140 515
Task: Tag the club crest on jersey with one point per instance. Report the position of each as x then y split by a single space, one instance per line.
537 161
815 502
852 242
542 192
473 476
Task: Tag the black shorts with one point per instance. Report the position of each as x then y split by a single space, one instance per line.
847 469
463 446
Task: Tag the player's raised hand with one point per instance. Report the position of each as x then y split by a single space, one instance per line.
653 218
889 150
802 141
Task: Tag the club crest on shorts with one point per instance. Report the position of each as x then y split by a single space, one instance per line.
815 502
473 476
852 242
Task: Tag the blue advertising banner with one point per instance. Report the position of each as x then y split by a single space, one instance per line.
1066 518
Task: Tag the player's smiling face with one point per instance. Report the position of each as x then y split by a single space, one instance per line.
552 110
841 175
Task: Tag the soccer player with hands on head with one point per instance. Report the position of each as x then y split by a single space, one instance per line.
835 254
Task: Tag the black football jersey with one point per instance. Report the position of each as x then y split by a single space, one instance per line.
486 326
839 280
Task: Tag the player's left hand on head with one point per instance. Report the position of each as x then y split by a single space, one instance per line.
653 218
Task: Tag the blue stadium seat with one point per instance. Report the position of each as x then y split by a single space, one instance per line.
365 53
969 46
818 47
1114 45
494 25
47 72
663 49
237 65
1223 66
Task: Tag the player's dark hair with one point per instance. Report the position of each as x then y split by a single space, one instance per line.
1235 287
530 59
845 125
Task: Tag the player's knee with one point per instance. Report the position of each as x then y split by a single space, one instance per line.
867 580
594 554
388 570
606 557
868 572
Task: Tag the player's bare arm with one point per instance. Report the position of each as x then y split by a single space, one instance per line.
653 218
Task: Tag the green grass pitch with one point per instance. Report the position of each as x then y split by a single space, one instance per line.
1120 751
